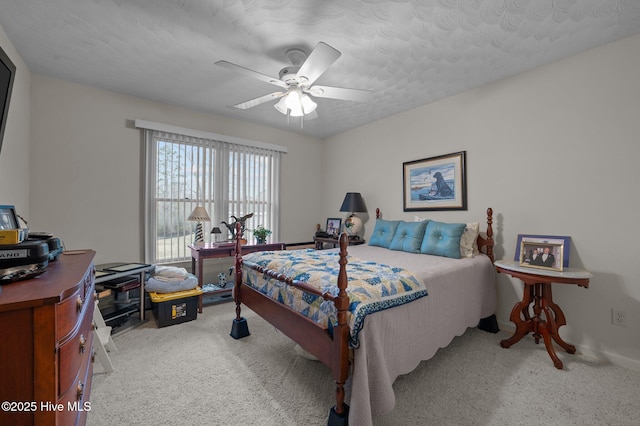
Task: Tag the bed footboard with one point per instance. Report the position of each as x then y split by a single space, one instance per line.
331 349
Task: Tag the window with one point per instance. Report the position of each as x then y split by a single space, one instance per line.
226 178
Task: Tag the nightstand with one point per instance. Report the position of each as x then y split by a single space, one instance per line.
547 316
335 242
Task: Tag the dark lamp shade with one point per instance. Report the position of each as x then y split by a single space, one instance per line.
216 230
353 202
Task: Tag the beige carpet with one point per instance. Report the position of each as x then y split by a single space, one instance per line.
196 374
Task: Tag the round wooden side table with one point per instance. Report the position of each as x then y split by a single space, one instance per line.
537 294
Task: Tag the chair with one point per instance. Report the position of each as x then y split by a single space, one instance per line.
103 342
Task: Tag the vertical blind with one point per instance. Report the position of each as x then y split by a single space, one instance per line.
227 179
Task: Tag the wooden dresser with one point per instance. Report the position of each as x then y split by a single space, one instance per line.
46 333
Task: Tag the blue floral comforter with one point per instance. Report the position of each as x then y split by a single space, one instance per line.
372 287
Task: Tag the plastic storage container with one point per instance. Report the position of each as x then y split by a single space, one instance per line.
175 308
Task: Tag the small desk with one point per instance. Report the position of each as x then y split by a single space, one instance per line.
108 272
537 292
202 251
321 241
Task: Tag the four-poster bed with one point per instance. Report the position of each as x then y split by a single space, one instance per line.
458 293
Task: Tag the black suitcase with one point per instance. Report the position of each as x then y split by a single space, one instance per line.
23 261
55 245
55 248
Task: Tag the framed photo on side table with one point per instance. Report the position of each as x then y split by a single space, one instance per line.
566 242
333 226
542 253
436 183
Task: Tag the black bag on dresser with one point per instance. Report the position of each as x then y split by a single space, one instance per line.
55 245
23 261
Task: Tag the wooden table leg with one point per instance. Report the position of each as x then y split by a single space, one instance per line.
555 315
196 269
547 317
539 294
525 326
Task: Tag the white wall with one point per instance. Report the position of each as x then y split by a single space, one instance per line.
14 155
86 167
553 151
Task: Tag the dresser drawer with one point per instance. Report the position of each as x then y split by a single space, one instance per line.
75 401
75 351
68 311
88 281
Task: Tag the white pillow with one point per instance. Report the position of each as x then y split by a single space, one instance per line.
469 240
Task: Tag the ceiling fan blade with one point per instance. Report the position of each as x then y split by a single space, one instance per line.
257 101
318 62
253 74
356 95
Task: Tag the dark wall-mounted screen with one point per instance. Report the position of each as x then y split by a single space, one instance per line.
7 75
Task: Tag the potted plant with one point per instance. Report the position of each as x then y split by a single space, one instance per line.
261 233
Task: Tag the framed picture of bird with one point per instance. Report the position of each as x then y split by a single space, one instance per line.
435 183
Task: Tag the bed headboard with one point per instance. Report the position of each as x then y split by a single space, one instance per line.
485 240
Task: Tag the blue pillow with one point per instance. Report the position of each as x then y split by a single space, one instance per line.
442 239
408 236
383 233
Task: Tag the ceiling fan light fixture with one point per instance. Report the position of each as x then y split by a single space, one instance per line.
296 112
296 104
293 100
281 105
308 106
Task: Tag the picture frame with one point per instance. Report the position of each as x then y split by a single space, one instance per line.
8 218
333 226
566 242
542 253
435 183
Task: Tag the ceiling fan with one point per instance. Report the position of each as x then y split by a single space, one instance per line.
297 83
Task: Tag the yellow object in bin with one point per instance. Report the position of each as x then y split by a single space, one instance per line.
163 297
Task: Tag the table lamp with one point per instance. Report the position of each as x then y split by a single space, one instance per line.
353 203
215 231
199 215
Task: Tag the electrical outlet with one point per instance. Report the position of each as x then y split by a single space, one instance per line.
618 317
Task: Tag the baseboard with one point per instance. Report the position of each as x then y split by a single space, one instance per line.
613 358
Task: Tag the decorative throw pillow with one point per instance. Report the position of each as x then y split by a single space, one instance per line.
468 243
408 237
442 239
383 233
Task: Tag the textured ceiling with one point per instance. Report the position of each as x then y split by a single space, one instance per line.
409 53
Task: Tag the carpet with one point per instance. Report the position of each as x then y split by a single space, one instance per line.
195 373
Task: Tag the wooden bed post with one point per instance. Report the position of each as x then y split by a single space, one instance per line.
490 233
339 415
490 323
239 328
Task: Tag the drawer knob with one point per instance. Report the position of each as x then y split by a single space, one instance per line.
83 343
80 390
79 303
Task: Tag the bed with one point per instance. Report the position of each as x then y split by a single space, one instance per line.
426 300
